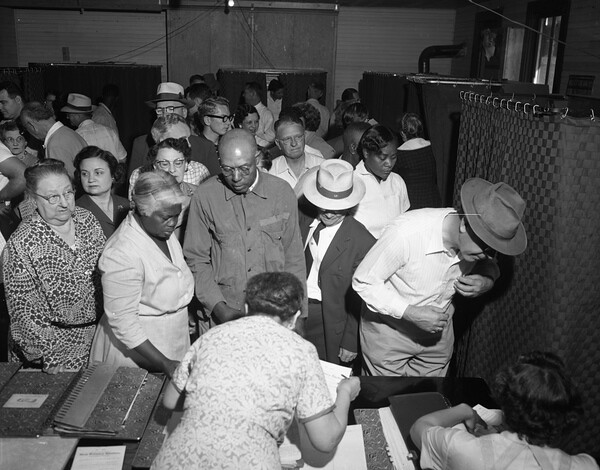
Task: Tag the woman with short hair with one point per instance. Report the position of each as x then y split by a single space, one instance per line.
540 404
416 164
244 381
50 275
96 171
146 282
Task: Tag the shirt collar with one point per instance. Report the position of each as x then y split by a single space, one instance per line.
57 125
436 241
256 188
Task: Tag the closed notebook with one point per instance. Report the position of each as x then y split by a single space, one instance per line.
110 402
29 400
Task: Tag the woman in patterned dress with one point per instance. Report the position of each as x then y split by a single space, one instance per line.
245 380
146 282
50 275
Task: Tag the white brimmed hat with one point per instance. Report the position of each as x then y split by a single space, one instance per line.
333 185
78 104
170 91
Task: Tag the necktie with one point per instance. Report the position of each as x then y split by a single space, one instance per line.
307 253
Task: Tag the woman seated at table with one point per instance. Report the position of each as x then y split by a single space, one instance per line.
540 405
243 381
50 275
146 282
97 170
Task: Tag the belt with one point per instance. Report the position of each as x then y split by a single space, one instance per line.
314 301
67 326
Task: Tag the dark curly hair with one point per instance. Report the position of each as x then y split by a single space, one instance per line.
180 145
311 115
374 139
274 294
540 403
91 151
354 112
242 111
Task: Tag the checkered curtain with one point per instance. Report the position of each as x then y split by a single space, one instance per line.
549 297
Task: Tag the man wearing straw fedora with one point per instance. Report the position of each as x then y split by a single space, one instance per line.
170 99
79 110
423 258
334 245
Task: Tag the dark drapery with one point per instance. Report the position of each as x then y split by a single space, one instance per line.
233 81
549 297
385 95
296 83
137 84
30 80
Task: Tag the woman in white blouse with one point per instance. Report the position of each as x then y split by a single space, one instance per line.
146 282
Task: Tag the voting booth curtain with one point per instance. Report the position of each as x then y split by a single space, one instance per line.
548 298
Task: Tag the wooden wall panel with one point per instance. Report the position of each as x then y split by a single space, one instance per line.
388 40
8 39
90 37
265 39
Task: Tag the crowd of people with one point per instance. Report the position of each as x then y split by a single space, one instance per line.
252 242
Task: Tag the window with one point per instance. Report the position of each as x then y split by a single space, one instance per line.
543 53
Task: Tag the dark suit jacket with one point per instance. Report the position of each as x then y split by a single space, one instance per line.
341 305
120 210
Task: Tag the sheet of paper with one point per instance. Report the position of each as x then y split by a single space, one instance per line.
333 376
350 452
99 458
25 400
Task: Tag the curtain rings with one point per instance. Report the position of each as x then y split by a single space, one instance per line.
481 98
462 95
488 99
471 93
564 114
502 102
494 101
535 106
517 106
525 107
592 116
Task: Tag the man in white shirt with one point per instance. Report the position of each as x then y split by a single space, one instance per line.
103 113
265 134
315 92
79 111
295 161
424 257
60 142
386 197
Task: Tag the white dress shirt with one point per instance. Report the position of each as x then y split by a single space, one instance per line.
317 251
265 134
281 168
102 137
274 106
383 200
409 265
324 112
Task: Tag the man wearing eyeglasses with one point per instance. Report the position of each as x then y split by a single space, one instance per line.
241 223
422 259
214 120
296 160
169 100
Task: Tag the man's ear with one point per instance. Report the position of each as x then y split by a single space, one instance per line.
353 148
278 144
206 121
245 309
185 113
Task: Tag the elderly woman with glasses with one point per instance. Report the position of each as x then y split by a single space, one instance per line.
52 284
173 156
146 282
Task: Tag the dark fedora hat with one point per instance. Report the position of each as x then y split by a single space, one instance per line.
494 212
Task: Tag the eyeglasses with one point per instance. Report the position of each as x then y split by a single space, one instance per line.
167 110
55 198
165 165
224 118
18 140
229 171
293 138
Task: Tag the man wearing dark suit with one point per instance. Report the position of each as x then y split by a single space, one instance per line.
335 244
